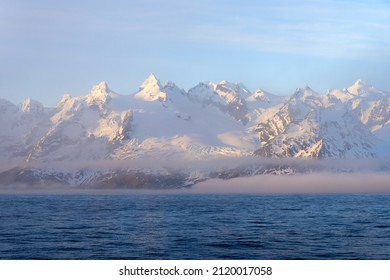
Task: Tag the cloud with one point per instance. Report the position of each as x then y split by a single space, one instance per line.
314 183
220 163
313 176
325 28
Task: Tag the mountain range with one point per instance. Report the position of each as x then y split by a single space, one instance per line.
164 136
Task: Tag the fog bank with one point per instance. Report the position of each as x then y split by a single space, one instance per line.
314 183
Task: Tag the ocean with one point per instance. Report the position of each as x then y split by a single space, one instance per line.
194 226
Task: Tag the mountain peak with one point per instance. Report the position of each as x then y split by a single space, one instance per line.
99 89
99 94
228 84
308 88
151 90
357 87
150 81
360 83
361 89
226 87
102 85
259 95
152 77
65 97
31 106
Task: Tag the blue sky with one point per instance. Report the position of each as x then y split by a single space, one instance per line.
48 48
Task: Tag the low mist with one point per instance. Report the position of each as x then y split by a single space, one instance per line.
310 176
218 163
315 183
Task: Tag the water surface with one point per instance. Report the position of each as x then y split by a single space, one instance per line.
198 226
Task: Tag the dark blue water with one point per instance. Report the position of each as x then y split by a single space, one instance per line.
171 226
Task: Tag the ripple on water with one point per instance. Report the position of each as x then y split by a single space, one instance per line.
195 227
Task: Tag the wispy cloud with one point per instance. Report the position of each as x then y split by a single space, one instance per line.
330 28
335 28
211 39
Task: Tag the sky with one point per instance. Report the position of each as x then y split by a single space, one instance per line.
48 48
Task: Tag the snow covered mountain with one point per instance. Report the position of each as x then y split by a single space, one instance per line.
309 126
166 124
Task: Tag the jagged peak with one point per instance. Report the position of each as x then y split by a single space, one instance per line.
151 90
170 87
360 82
102 85
31 106
298 92
357 87
99 94
238 88
152 77
100 88
259 91
215 85
65 97
362 89
225 82
303 93
259 95
151 81
264 96
170 84
202 89
229 84
305 89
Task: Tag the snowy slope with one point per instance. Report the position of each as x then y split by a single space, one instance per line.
21 128
175 125
161 122
83 128
311 125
